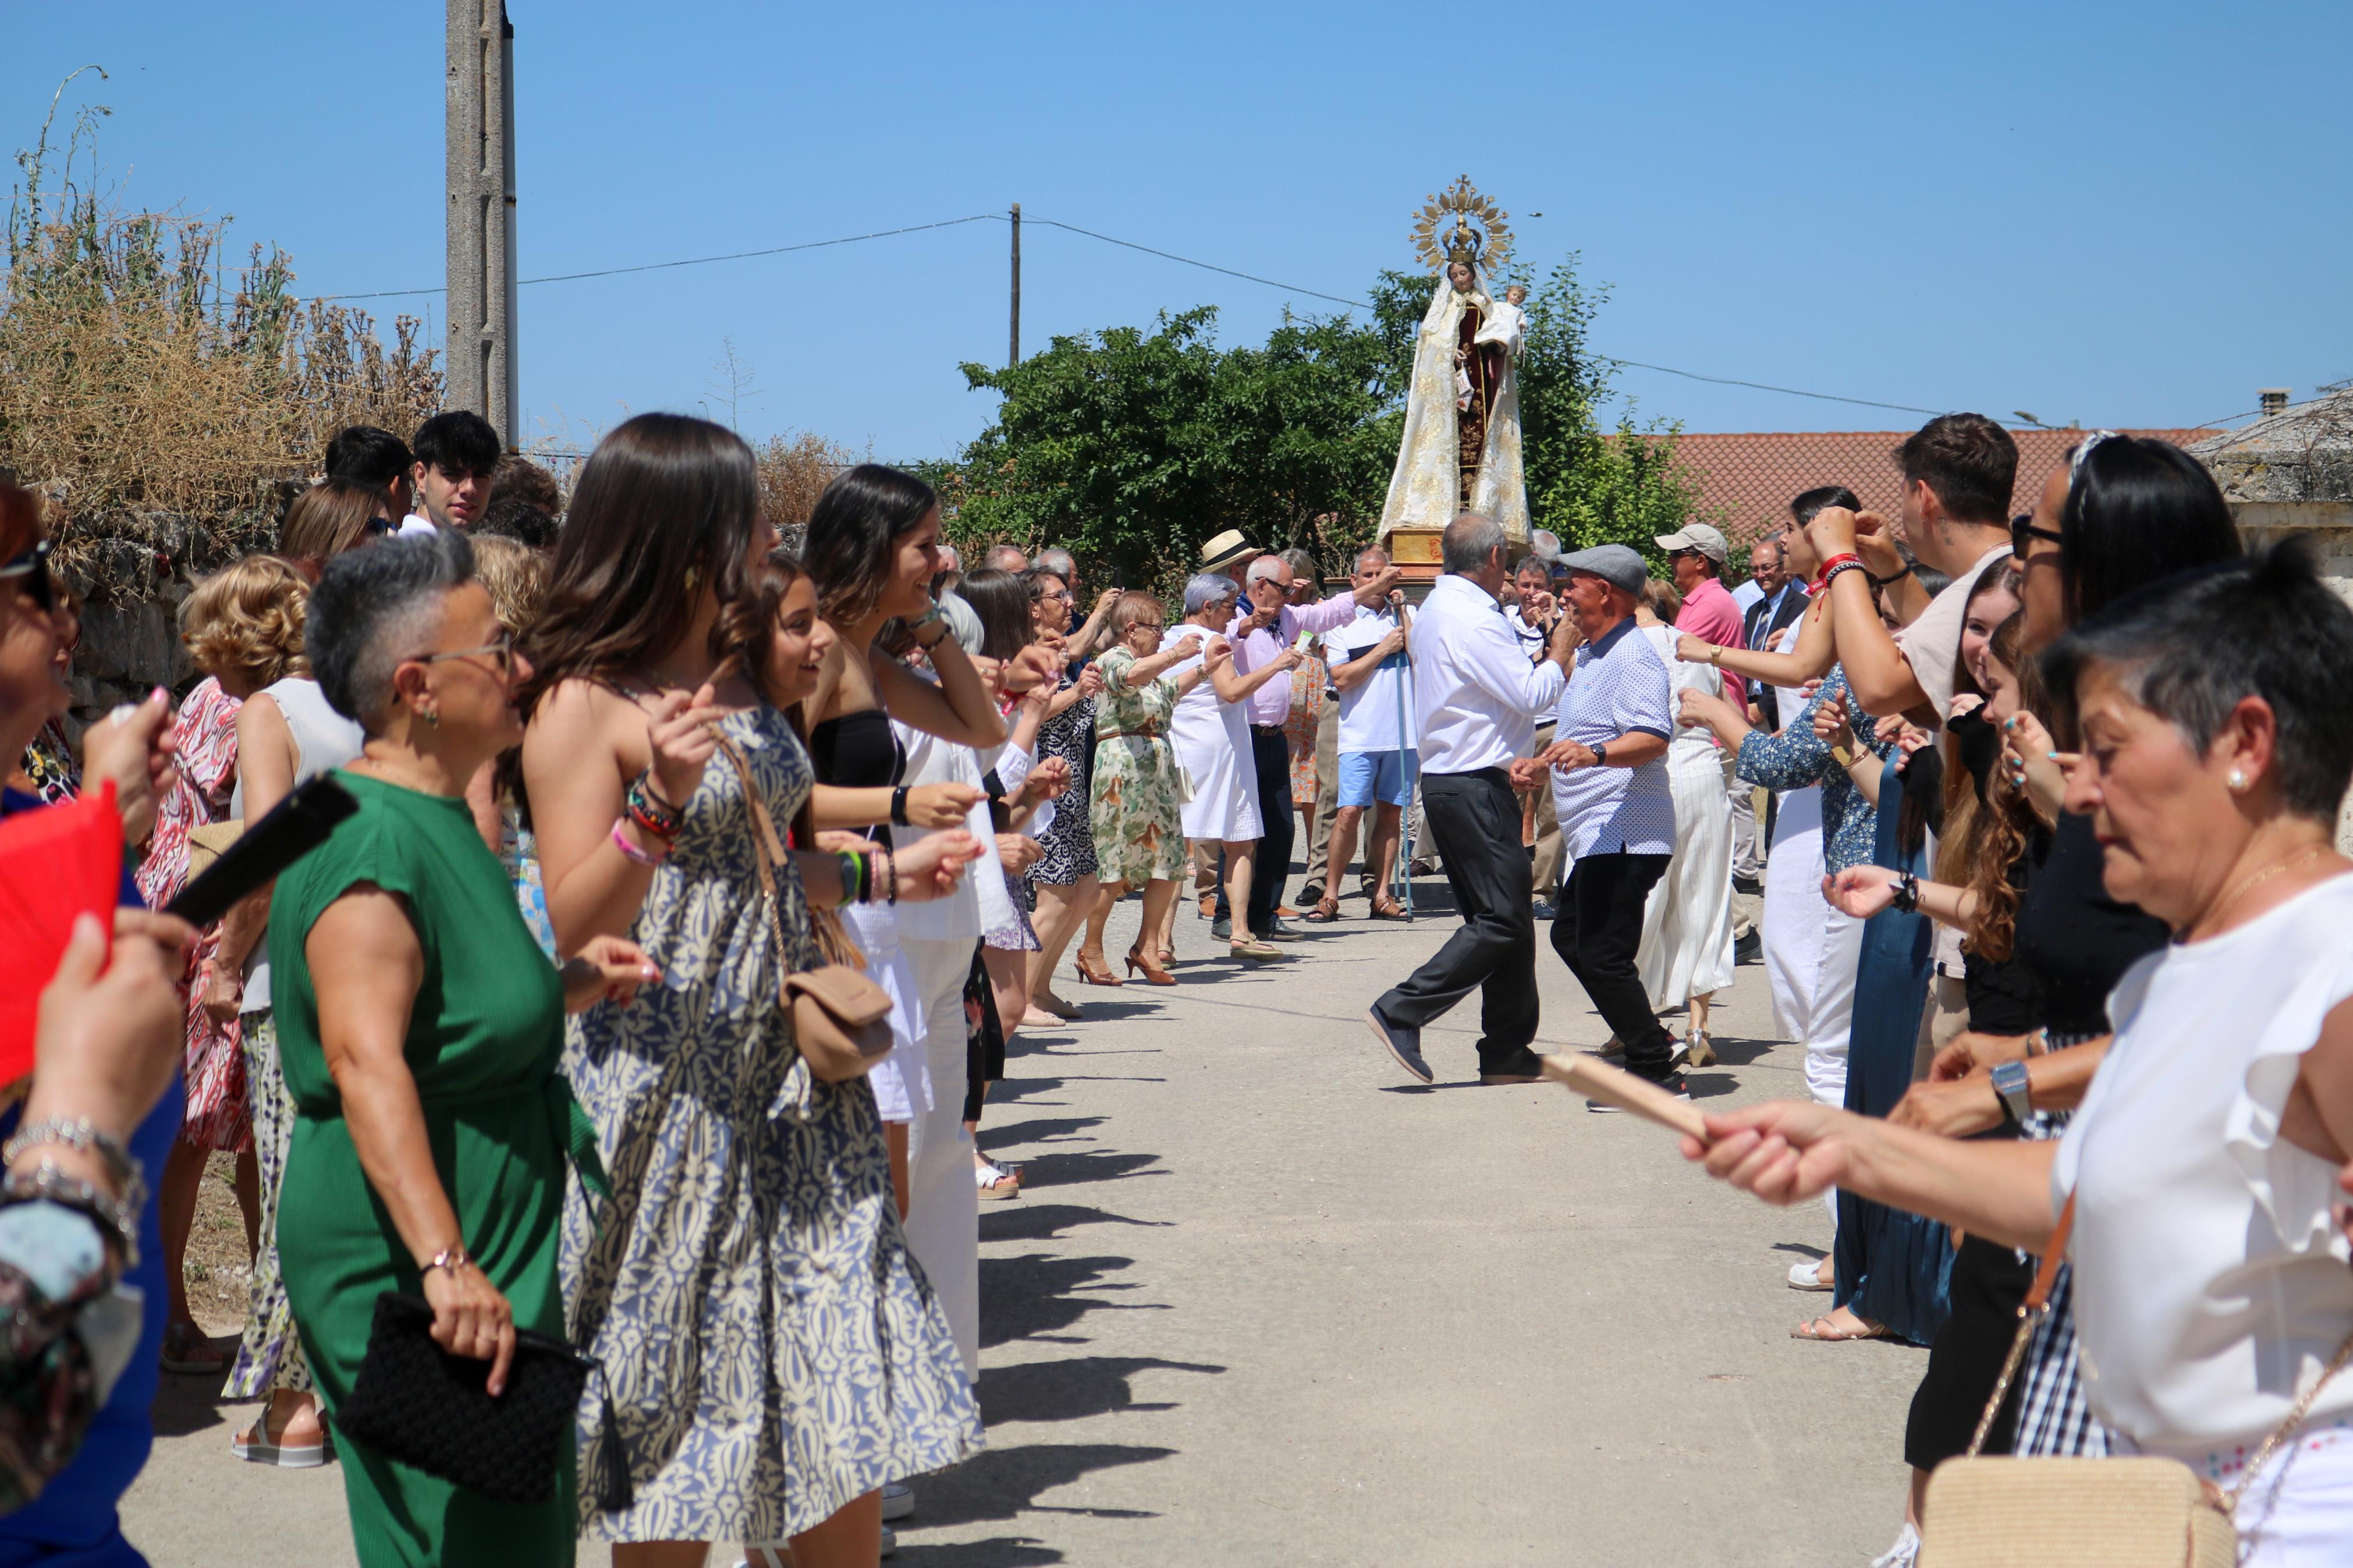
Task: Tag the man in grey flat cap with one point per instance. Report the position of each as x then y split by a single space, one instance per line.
1608 769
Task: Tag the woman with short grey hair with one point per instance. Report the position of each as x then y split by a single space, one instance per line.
420 1027
1210 731
2196 1192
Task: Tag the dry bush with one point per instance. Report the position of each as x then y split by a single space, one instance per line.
171 413
794 470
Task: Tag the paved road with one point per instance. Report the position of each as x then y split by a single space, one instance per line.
1269 1303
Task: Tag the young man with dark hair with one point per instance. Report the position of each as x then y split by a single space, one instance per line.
457 451
1958 469
376 458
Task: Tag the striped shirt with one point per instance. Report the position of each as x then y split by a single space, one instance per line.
1620 688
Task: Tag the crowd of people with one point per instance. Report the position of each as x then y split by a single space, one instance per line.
651 997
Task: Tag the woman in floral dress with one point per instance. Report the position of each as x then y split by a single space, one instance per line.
243 627
1138 830
772 1355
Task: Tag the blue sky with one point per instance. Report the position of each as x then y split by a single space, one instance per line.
2126 215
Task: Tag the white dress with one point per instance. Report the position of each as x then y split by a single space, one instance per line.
1686 947
2211 1282
1212 741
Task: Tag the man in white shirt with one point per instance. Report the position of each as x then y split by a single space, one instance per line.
1375 760
455 453
1475 701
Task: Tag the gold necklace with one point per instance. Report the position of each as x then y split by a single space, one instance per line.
2260 878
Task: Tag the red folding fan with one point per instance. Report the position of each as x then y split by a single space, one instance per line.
55 864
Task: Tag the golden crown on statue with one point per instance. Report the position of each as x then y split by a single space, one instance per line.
1485 246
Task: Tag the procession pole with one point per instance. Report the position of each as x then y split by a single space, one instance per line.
1404 812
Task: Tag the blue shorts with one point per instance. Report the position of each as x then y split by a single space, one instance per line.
1366 774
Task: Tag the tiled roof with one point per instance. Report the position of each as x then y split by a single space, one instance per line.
1747 479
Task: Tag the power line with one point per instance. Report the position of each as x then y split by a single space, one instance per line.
1206 266
1762 387
1129 245
692 260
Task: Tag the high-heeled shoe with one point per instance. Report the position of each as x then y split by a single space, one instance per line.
1095 972
1153 973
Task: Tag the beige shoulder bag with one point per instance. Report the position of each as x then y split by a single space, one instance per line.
2139 1512
840 1020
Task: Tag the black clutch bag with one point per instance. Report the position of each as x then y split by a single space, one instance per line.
417 1402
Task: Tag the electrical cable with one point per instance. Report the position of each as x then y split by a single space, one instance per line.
691 260
1149 250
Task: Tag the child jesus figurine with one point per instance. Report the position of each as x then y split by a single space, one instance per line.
1499 338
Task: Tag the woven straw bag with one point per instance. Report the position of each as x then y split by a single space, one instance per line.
2139 1512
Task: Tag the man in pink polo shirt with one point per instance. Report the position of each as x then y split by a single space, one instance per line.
1697 553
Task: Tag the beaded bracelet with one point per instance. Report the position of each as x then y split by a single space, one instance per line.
649 810
636 856
891 873
1848 564
81 1134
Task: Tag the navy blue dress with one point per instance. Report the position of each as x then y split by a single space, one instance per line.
1890 1266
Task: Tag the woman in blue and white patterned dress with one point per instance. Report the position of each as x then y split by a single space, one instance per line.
773 1353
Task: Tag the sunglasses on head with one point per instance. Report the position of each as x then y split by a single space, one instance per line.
2021 529
34 567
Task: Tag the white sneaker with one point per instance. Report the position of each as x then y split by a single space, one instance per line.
898 1501
1903 1553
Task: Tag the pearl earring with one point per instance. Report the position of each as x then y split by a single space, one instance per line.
2238 781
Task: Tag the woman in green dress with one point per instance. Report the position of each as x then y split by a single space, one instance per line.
1136 815
420 1025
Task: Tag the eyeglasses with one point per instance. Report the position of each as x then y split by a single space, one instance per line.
379 527
2023 529
34 566
1148 626
1060 594
501 650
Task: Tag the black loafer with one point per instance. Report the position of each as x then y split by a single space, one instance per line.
1403 1043
1281 930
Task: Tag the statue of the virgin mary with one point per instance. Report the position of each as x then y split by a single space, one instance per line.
1461 445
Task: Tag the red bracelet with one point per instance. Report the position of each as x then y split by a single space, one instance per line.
1823 575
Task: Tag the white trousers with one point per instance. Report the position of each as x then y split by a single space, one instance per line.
942 1202
1811 952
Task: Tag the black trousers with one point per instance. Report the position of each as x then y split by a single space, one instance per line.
1598 931
1270 760
1475 819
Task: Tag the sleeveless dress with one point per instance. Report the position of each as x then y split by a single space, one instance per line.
773 1351
268 1354
1070 843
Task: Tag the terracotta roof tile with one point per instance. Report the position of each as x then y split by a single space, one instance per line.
1747 479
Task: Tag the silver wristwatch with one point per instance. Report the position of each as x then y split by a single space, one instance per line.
2009 1083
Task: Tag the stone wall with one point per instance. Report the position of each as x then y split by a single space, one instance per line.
2328 525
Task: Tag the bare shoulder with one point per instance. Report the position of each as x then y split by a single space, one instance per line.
577 721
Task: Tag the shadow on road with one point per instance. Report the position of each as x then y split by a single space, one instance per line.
1073 1388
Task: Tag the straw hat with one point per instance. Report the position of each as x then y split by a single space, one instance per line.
1225 550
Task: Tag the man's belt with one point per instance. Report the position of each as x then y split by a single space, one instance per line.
1266 728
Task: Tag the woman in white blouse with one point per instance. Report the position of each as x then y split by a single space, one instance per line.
2208 1161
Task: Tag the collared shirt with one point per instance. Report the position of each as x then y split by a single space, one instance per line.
1369 710
1756 625
1620 688
1534 639
1475 695
1710 614
1271 703
1747 594
415 522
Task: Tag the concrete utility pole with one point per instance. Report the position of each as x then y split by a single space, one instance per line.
480 165
1013 353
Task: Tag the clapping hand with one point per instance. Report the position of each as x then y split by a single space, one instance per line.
1033 666
1017 852
1860 891
1830 726
928 869
1050 780
681 734
133 746
607 969
1091 680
